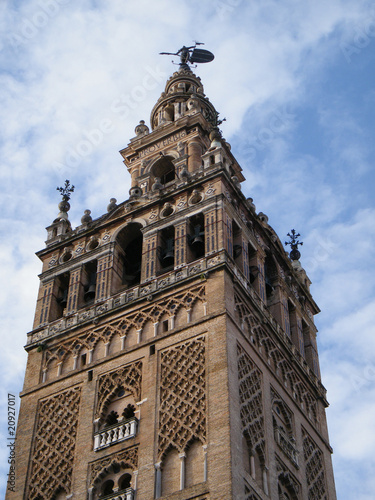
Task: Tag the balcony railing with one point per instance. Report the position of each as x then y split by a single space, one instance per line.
114 434
127 494
287 444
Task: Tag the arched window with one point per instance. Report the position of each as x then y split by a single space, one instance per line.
129 256
196 237
115 479
125 482
107 487
166 249
164 170
118 422
112 418
128 412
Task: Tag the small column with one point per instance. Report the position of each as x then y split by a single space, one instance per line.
265 482
135 484
181 248
205 472
171 322
139 335
44 303
96 424
211 232
59 368
252 466
149 257
91 353
75 362
123 342
106 349
158 480
90 492
205 308
103 278
195 155
75 291
156 325
182 470
44 375
188 311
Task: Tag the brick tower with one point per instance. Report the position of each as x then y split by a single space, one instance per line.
173 353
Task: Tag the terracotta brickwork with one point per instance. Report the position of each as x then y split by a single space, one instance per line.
173 353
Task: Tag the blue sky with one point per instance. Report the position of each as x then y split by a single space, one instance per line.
295 82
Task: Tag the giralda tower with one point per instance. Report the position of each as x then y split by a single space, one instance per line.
173 353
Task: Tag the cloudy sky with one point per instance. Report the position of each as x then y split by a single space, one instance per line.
294 80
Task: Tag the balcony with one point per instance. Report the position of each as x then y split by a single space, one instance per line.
127 494
116 433
287 444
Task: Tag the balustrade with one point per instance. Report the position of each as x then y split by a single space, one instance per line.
115 433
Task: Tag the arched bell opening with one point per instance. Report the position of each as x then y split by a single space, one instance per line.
164 170
129 243
166 250
196 240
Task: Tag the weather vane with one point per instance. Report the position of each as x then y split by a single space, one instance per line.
66 190
191 55
295 254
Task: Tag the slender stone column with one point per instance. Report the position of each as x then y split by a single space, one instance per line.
123 342
91 352
156 328
265 481
205 462
182 470
158 480
252 466
106 349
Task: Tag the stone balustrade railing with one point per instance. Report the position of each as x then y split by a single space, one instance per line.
115 433
127 494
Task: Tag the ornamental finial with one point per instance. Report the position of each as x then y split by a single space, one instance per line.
64 205
66 190
294 254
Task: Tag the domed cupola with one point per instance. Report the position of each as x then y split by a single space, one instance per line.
183 96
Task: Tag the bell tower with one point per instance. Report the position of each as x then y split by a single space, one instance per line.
173 353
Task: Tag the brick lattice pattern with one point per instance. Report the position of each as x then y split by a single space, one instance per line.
53 455
257 335
315 473
250 388
182 416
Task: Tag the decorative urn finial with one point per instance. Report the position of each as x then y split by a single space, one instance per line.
64 205
294 254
